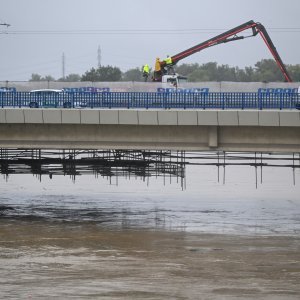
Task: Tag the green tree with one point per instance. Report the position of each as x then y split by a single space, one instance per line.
48 78
211 71
71 78
250 74
35 77
107 73
267 70
90 75
264 70
294 71
133 75
186 69
199 75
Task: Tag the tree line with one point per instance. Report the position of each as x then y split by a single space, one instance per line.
265 70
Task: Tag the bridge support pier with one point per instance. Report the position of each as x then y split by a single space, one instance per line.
213 137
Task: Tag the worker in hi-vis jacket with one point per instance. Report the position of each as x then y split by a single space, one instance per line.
146 71
169 65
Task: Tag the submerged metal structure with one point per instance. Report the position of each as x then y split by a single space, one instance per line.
105 163
141 164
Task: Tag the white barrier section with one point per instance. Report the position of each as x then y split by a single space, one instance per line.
272 118
223 86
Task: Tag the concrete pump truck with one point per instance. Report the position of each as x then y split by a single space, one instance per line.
162 68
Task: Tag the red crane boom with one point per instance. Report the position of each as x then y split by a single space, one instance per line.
228 36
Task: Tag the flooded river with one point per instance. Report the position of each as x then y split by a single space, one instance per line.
212 237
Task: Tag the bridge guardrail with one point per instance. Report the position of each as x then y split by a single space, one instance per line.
155 100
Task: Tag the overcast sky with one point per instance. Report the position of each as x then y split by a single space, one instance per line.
131 33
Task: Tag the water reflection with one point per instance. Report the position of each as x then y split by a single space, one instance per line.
196 199
105 163
136 163
93 239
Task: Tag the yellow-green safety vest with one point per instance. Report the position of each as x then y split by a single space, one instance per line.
146 69
168 60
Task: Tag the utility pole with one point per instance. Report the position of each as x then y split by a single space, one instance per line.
99 57
7 25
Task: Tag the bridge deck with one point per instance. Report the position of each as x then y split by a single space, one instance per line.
228 130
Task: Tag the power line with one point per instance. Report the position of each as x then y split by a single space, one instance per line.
137 31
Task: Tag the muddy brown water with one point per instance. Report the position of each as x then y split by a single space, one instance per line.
96 239
41 260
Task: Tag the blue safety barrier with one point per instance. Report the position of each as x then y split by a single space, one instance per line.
149 100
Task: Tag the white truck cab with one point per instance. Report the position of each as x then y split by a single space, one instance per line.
173 81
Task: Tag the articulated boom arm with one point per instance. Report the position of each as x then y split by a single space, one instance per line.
230 36
265 36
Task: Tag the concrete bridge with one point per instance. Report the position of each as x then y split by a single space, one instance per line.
228 130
